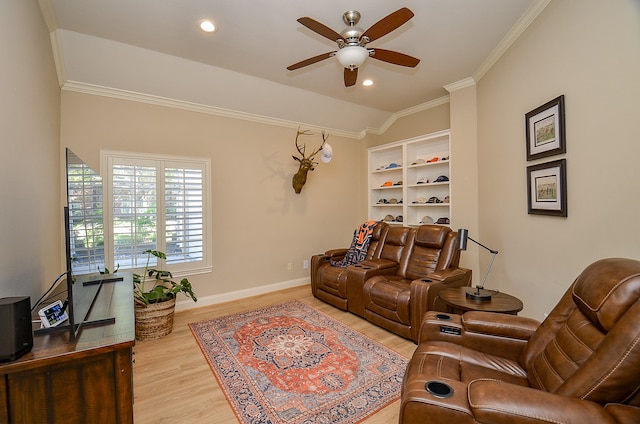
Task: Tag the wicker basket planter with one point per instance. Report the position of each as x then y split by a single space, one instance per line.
154 320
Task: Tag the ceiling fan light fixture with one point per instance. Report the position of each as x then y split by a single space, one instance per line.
352 57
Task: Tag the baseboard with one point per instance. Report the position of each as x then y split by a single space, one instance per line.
239 294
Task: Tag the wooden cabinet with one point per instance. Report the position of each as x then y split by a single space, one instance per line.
409 181
85 380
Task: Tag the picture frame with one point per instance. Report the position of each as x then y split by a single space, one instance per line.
547 188
545 130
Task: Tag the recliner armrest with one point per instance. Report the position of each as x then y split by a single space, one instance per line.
450 275
488 332
502 325
336 254
379 264
493 401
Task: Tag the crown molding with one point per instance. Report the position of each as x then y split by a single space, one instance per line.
58 57
48 14
514 33
114 93
459 85
409 111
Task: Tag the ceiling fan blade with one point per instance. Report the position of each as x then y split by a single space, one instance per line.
387 24
310 61
319 28
350 77
395 58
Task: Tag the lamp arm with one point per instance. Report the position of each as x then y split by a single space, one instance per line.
495 252
486 273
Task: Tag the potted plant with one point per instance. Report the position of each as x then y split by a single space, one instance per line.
154 293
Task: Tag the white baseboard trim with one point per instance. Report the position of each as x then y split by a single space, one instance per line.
239 294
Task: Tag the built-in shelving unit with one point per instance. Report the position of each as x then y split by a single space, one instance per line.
409 181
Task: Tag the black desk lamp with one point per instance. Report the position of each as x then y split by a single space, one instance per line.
479 293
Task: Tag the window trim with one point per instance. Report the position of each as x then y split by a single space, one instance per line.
178 270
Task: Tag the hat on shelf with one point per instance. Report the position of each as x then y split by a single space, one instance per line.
433 159
386 184
393 165
383 201
446 199
393 201
434 199
441 179
423 180
443 221
426 220
398 218
418 161
389 218
420 200
398 183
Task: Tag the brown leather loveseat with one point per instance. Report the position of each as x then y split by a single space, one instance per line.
398 282
581 365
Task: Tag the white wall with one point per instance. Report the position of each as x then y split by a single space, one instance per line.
31 220
588 50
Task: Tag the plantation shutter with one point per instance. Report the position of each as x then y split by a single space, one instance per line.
158 203
135 217
184 209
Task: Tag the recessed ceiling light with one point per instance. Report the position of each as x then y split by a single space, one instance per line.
207 26
367 82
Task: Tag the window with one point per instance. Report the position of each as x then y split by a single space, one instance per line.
158 203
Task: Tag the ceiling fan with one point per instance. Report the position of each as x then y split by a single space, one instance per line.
352 41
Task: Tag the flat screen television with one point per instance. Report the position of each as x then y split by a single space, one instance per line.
84 242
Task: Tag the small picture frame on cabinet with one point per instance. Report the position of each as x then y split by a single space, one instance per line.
545 130
547 188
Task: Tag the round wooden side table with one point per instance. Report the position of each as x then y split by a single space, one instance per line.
458 302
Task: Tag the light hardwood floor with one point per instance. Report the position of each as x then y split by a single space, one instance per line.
174 384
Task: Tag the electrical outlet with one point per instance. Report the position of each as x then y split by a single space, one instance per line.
305 264
289 266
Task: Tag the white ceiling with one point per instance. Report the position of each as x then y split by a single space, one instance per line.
155 48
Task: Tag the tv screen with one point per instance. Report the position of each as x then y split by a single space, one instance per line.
84 239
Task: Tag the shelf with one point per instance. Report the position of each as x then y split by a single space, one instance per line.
405 153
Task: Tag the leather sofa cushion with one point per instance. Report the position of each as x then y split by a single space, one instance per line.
432 236
442 360
333 281
388 296
607 300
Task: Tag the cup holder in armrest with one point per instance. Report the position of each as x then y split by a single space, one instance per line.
443 317
439 389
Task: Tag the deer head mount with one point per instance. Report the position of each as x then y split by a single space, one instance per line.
306 162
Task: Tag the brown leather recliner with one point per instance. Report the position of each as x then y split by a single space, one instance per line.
398 301
328 282
581 365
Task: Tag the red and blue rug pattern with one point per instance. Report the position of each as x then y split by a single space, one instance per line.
290 363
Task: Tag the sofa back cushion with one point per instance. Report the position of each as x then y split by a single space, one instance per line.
399 241
377 239
589 345
429 251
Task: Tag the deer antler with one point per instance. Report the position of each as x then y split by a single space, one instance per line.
305 132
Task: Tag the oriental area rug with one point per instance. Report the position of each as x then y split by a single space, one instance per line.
291 363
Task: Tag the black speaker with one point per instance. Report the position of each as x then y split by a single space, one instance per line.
15 327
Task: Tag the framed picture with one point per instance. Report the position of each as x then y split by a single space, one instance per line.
545 130
547 188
